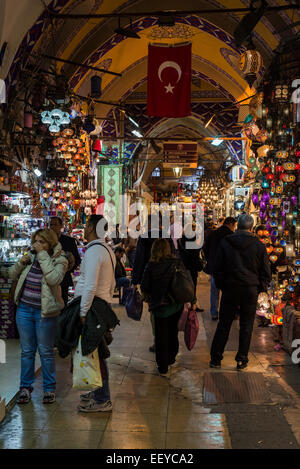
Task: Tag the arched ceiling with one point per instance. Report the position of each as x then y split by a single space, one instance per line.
28 29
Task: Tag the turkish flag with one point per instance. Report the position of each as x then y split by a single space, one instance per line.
169 81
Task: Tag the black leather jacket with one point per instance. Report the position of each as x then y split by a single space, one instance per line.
242 260
100 318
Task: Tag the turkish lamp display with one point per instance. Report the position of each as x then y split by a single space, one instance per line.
290 250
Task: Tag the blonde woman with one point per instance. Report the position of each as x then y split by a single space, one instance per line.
39 300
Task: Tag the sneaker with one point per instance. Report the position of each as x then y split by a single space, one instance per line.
241 365
87 397
213 364
24 396
94 406
215 318
49 398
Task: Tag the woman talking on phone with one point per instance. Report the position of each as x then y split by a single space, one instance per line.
38 296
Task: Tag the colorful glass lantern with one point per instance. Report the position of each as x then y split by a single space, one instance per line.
97 145
250 65
277 320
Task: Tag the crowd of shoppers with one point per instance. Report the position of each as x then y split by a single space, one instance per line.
236 261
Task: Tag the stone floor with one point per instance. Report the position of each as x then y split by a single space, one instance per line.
154 412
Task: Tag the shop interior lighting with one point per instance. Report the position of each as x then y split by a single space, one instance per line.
37 172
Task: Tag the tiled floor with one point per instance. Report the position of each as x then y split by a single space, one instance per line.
10 371
154 412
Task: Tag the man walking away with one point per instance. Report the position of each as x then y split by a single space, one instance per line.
242 270
210 249
97 278
68 245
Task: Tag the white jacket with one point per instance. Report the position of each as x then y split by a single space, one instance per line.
97 275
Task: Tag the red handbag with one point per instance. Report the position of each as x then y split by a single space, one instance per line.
191 329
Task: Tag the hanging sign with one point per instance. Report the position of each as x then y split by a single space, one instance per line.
181 154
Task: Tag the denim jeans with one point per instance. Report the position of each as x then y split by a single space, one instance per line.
123 282
214 297
102 395
36 333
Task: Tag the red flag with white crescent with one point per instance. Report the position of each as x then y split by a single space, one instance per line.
169 81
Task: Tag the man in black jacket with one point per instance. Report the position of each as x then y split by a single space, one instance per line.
69 245
242 270
210 250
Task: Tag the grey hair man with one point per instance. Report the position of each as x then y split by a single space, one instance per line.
242 270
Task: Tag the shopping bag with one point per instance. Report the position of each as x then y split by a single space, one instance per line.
183 317
134 304
191 329
86 370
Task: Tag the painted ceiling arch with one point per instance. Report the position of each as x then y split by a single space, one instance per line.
70 42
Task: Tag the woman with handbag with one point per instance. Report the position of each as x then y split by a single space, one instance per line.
39 300
156 287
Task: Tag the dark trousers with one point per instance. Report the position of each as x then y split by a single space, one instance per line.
242 300
131 257
166 341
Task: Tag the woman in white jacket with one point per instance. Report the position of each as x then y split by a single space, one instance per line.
39 300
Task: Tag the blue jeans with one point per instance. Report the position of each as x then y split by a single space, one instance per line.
102 395
214 297
123 282
36 333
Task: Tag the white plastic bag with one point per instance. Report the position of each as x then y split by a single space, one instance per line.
86 370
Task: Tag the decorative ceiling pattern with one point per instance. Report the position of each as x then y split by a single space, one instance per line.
146 23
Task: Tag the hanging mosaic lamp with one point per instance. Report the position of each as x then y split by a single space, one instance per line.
250 65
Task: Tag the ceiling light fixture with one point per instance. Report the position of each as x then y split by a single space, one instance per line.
216 142
133 121
137 133
209 121
127 32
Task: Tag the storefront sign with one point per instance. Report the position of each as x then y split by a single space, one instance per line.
181 154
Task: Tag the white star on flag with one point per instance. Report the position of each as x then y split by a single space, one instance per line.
169 88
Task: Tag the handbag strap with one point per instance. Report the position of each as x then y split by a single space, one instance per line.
103 245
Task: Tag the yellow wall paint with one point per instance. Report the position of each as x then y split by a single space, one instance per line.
110 5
